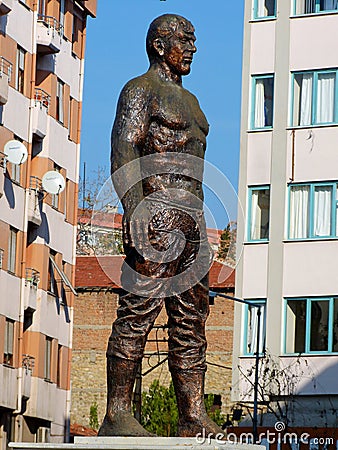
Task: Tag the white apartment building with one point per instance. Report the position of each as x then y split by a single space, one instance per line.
288 229
41 78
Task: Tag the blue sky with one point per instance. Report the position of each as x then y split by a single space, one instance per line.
115 52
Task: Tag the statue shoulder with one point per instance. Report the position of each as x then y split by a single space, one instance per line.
140 86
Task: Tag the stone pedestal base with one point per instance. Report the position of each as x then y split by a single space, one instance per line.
137 443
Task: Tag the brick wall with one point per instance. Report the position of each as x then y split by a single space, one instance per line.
94 313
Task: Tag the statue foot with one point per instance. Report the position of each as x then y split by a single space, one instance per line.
202 425
122 423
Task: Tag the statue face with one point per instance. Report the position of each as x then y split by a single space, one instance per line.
179 50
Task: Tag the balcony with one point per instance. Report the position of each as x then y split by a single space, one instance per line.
31 288
34 198
40 113
49 35
5 6
5 78
27 368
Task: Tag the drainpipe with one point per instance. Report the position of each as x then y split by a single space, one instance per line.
18 411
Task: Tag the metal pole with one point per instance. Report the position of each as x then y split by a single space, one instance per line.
255 408
257 356
138 393
84 186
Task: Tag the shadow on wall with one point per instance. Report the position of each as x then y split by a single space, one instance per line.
9 191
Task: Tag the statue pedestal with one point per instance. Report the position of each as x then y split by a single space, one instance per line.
137 443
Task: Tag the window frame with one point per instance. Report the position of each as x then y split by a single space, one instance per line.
12 250
255 11
249 221
314 96
263 303
47 368
60 96
254 79
307 344
317 9
8 354
20 71
334 209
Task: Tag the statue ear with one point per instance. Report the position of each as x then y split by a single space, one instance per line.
159 46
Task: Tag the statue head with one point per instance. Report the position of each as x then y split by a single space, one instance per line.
171 39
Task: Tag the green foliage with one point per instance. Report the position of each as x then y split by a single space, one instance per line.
215 414
159 413
227 244
159 410
93 417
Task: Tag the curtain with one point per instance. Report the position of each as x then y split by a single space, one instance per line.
255 217
259 104
260 8
310 6
306 100
329 5
325 98
322 211
252 331
299 212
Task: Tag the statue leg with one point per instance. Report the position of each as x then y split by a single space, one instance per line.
187 359
119 421
135 318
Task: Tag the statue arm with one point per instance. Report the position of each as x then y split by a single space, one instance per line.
128 138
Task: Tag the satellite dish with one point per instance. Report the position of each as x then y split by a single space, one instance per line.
16 152
53 182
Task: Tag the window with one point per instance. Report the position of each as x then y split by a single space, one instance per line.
62 12
42 4
315 6
311 325
314 98
12 249
48 358
313 210
20 70
55 197
262 116
259 213
59 366
52 285
251 327
264 8
9 342
59 100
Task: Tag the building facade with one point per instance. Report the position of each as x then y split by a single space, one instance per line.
97 283
288 235
41 78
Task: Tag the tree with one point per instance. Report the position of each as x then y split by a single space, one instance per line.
278 384
227 245
99 223
93 417
159 413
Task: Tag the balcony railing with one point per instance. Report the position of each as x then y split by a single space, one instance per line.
32 277
2 160
53 25
6 68
41 97
35 183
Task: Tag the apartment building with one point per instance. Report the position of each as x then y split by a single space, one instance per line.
288 233
41 77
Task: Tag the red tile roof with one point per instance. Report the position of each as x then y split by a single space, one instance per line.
79 430
104 272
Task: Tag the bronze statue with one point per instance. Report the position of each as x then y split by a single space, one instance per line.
158 146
